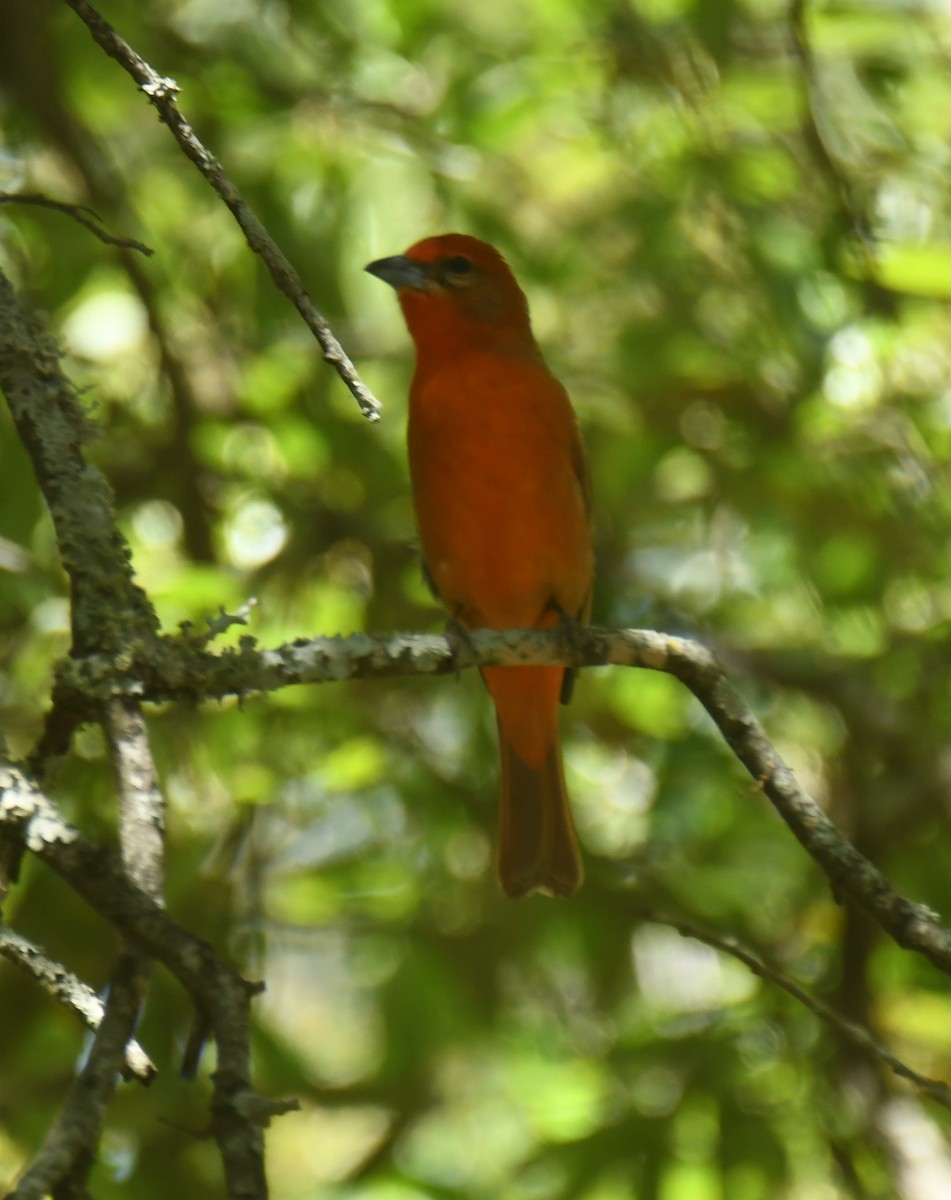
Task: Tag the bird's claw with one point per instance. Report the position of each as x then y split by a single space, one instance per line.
457 635
570 631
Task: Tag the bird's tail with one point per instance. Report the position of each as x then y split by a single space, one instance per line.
538 846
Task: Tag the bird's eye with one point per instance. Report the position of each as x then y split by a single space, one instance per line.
459 265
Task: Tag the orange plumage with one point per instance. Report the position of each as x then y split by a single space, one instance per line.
502 497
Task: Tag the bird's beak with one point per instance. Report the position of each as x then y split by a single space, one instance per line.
400 272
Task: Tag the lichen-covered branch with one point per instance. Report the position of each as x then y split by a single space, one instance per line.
70 991
109 609
238 1114
62 1165
112 618
179 669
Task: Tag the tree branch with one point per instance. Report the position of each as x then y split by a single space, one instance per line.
161 93
815 137
857 1035
141 803
109 609
79 212
62 1165
69 990
174 669
238 1114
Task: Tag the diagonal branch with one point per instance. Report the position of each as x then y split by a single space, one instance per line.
79 212
238 1114
70 991
64 1161
109 609
61 1167
161 93
857 1035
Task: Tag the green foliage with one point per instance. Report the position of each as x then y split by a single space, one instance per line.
739 266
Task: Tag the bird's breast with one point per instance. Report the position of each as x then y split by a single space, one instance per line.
493 458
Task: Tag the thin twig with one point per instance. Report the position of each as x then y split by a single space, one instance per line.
71 992
854 1033
161 93
81 213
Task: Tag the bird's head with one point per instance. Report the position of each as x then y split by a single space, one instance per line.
454 287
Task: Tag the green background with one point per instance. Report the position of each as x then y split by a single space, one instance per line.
732 222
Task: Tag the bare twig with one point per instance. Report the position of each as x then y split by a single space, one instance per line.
70 991
161 92
81 213
109 611
856 1034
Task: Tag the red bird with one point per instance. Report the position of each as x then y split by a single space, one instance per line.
502 497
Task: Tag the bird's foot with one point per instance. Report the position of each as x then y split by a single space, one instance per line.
457 635
570 633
